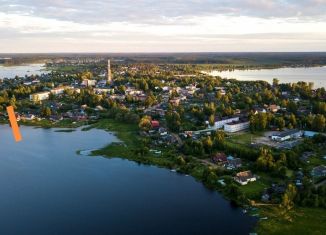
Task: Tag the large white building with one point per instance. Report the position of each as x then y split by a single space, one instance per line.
60 90
219 123
236 126
287 135
39 96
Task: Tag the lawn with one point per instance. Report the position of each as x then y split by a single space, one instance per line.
253 190
301 221
127 133
243 138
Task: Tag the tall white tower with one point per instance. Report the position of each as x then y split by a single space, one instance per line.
109 78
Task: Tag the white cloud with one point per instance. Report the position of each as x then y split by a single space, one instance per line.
147 25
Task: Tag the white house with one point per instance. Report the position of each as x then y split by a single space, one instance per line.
244 177
29 117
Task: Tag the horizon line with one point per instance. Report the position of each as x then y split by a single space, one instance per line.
157 52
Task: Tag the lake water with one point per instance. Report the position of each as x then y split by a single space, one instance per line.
317 75
21 71
46 188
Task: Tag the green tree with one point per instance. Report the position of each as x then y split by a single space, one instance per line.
145 123
208 144
275 82
211 120
288 197
12 101
280 123
319 123
46 112
265 160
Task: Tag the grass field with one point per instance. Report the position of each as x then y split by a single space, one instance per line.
301 221
243 138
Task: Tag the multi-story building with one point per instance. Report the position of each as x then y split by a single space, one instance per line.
39 96
236 126
60 90
219 123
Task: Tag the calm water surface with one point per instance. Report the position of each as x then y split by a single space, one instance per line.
21 71
46 188
317 75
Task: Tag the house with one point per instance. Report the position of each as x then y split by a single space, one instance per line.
162 131
102 83
175 101
99 108
155 124
104 90
244 177
274 190
286 135
29 117
221 90
141 97
56 118
117 97
155 111
220 159
273 108
88 82
237 111
18 117
259 110
306 155
39 96
233 163
236 126
318 171
221 182
133 91
310 134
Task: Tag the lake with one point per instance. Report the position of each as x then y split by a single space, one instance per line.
46 188
21 70
317 75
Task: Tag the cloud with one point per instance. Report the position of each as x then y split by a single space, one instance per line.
150 11
190 25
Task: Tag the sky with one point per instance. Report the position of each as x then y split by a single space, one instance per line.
162 26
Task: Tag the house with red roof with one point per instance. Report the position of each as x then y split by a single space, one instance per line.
155 124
